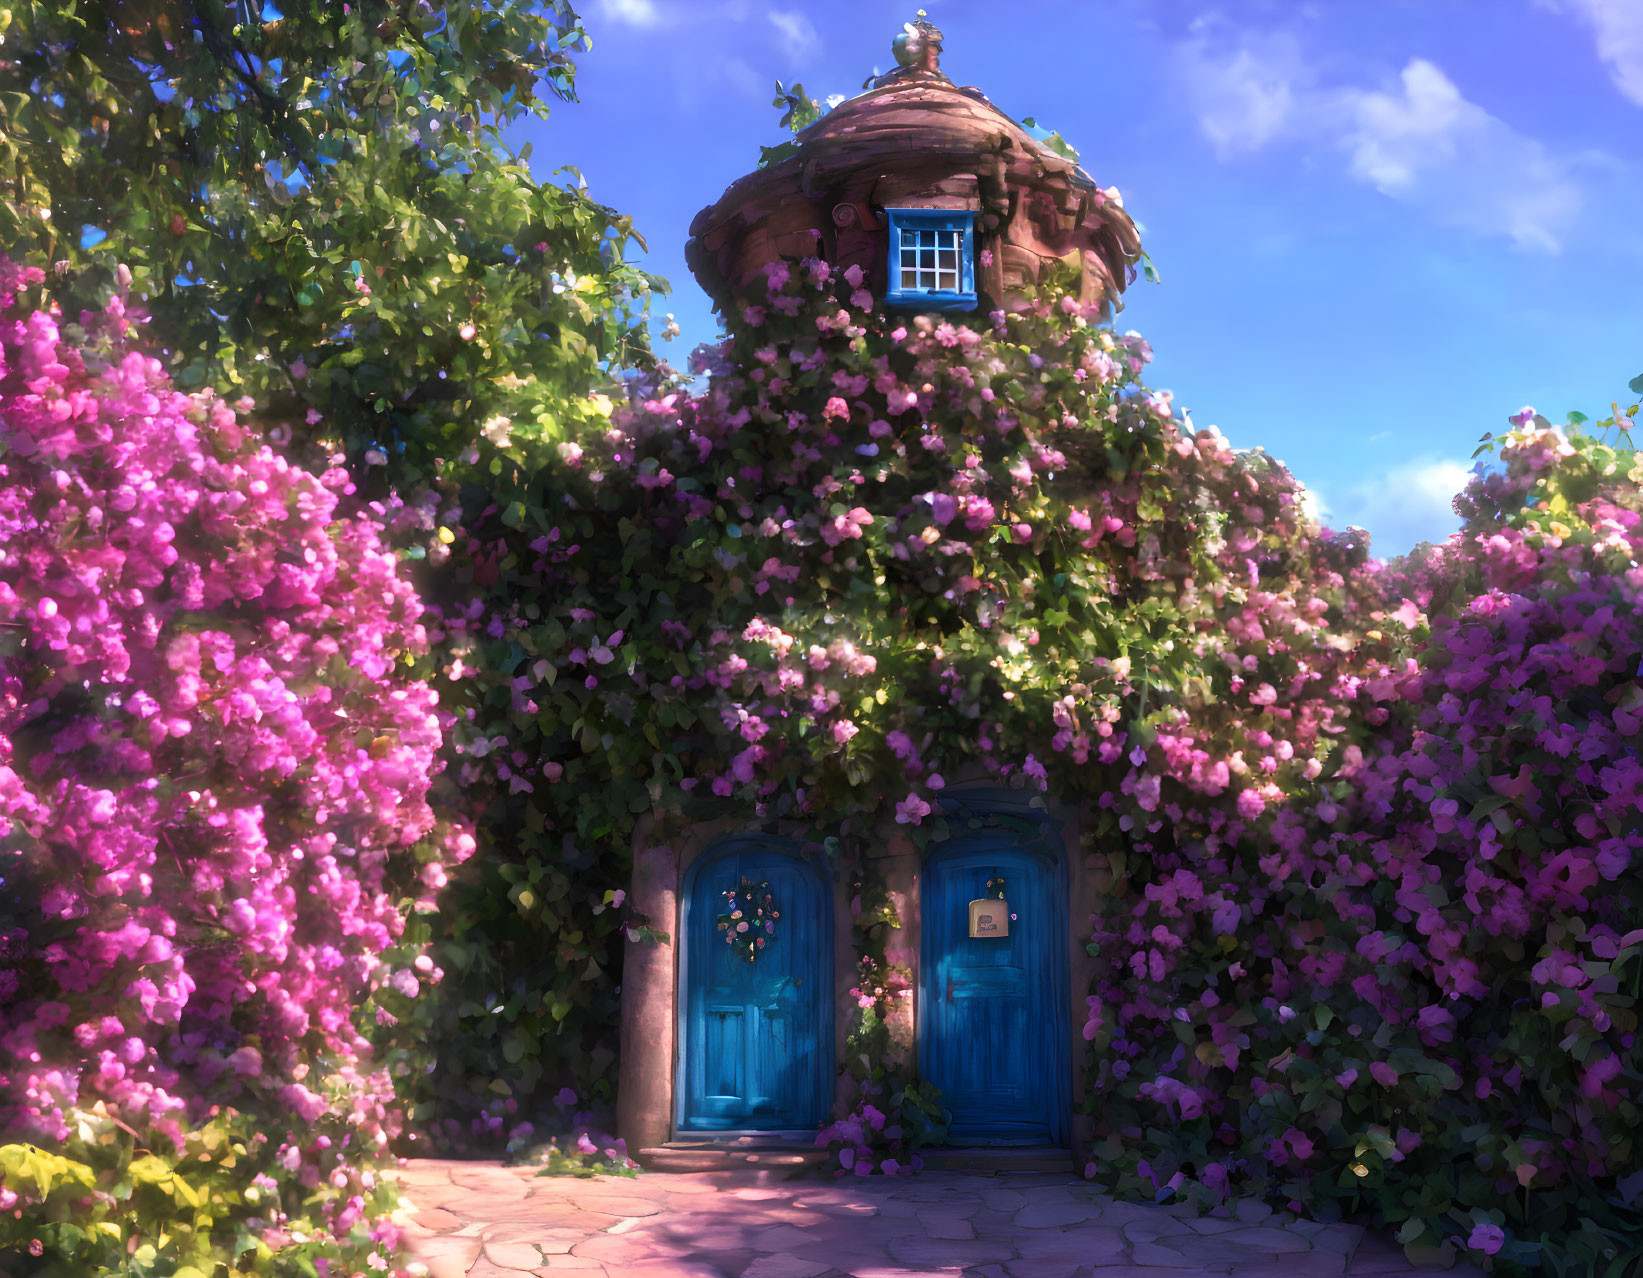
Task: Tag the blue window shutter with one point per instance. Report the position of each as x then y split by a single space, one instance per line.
929 228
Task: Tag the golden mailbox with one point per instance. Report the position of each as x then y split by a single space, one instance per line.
990 917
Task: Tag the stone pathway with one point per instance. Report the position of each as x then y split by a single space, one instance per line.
483 1220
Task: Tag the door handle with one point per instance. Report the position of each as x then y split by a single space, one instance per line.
949 989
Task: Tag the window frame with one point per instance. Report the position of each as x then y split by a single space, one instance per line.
962 298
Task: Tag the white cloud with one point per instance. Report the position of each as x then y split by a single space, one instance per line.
1316 507
1617 26
1404 505
1427 146
1420 142
1397 136
796 33
1244 101
634 13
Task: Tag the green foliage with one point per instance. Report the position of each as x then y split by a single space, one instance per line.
802 109
126 1209
801 112
1050 138
321 212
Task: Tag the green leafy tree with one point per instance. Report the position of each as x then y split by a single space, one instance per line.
317 202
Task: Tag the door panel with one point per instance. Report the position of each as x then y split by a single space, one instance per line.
992 1017
756 1038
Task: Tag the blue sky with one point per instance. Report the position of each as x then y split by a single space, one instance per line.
1380 226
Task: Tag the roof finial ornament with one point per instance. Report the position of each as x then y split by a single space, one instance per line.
918 47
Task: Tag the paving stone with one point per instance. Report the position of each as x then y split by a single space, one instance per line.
718 1205
1214 1251
1345 1239
486 1268
558 1244
551 1212
914 1249
435 1196
1161 1257
838 1206
1129 1269
512 1255
432 1219
446 1245
483 1220
992 1224
1125 1213
896 1271
1265 1240
685 1184
1089 1245
488 1178
614 1205
628 1249
1054 1215
937 1194
1314 1264
850 1252
701 1235
938 1222
787 1214
674 1269
1210 1226
453 1265
778 1238
908 1209
1040 1267
785 1265
1153 1228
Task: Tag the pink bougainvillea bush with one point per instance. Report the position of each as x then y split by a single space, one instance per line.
1428 1011
212 824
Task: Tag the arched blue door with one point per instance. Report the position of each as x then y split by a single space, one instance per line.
756 1039
993 1023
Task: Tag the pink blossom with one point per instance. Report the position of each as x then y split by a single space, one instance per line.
912 810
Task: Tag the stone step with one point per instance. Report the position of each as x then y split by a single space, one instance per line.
777 1157
998 1158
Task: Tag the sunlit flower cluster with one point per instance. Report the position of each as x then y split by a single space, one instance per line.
212 780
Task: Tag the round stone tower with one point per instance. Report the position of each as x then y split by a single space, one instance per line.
944 202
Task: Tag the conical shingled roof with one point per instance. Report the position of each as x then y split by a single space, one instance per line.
915 139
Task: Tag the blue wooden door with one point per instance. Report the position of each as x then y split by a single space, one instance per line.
756 1039
993 1010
